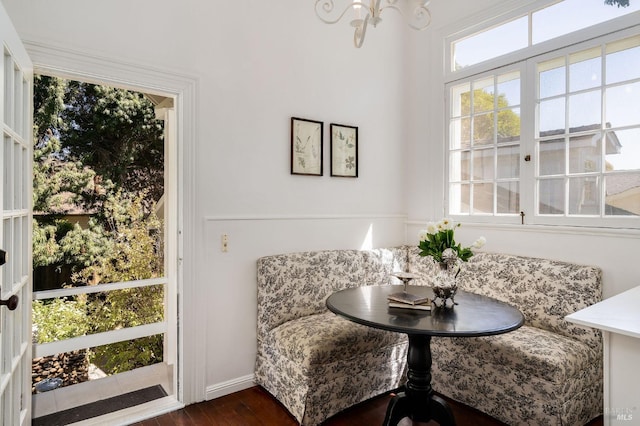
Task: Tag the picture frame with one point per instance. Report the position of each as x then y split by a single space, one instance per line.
306 147
344 150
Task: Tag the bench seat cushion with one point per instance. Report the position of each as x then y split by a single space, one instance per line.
325 338
546 375
529 351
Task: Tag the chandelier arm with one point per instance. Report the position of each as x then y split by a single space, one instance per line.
360 32
420 14
326 8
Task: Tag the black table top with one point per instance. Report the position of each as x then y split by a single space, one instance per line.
474 315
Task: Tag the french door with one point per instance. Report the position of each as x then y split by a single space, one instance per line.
16 100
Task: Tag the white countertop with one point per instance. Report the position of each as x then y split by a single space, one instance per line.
617 314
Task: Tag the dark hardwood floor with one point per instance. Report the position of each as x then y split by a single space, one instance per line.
255 406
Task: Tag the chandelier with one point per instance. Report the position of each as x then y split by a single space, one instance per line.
415 12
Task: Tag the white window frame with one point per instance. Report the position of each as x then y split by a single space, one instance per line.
526 60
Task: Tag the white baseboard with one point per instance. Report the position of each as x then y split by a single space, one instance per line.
230 386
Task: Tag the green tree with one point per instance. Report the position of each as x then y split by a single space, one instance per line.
136 255
508 123
99 150
115 133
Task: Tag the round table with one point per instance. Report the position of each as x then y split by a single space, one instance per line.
473 315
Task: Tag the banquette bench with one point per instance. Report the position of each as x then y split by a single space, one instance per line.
317 364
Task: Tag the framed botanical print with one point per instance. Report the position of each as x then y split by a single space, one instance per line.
344 150
306 147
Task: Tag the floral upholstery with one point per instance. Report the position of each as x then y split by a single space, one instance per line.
313 361
316 363
548 371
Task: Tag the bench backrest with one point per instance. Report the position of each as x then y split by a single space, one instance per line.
544 290
294 285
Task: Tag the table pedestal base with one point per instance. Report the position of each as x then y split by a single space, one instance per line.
418 401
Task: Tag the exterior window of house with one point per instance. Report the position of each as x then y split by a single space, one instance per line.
533 27
484 153
588 137
555 135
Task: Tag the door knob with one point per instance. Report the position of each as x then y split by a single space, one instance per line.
11 303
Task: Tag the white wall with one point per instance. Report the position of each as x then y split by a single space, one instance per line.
256 64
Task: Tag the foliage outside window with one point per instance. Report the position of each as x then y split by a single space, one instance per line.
98 175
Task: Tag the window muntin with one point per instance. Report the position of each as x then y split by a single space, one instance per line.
588 138
484 141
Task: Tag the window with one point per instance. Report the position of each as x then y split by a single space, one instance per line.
555 135
533 28
484 155
588 138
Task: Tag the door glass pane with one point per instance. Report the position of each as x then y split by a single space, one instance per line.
622 196
483 164
585 71
623 150
551 196
508 197
585 153
585 111
552 157
483 198
584 196
552 115
508 162
622 106
7 196
483 129
623 60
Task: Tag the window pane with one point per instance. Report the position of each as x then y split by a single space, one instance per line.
509 125
483 198
483 129
552 117
552 157
459 199
483 164
460 100
623 107
551 78
483 95
460 133
584 196
585 111
623 60
571 15
492 43
551 196
622 195
508 197
509 89
623 150
508 162
585 153
459 168
585 71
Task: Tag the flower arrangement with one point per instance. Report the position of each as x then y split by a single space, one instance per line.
438 242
